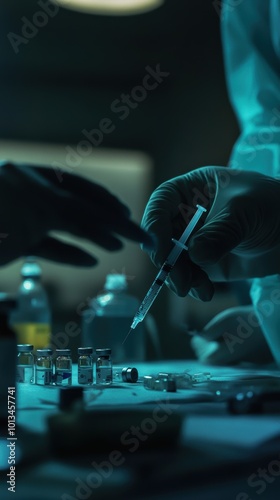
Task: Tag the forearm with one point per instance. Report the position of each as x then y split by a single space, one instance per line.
252 64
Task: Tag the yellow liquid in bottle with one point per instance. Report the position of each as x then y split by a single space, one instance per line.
37 334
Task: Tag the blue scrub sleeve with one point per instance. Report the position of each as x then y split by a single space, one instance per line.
251 45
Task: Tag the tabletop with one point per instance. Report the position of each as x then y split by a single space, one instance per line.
126 441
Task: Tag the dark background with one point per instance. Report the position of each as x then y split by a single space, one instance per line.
66 77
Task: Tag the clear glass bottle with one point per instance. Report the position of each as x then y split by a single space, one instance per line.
85 366
104 372
44 367
31 320
108 319
125 374
25 363
63 367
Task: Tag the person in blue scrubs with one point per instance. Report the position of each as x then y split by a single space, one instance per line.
240 237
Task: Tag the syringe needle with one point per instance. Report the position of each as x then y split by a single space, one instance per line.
127 336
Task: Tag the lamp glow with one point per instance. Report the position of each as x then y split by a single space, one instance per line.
111 7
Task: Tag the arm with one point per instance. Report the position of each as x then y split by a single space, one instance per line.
251 45
33 202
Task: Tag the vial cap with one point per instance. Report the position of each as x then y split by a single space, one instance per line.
25 347
116 282
44 352
130 374
63 352
103 352
84 350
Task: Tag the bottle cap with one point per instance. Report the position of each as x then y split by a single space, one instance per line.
63 352
30 269
130 374
103 352
116 282
84 350
44 352
24 347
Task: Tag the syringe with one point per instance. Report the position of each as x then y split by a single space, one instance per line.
165 269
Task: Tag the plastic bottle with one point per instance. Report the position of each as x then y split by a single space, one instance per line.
108 320
31 320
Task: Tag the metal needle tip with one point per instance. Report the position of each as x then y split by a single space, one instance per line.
127 336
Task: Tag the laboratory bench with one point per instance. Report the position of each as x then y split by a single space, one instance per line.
124 441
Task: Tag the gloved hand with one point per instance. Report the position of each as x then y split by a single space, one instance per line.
33 202
240 235
231 337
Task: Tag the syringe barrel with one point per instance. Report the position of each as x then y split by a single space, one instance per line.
154 290
166 268
177 249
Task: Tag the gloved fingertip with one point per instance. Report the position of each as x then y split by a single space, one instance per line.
150 242
204 292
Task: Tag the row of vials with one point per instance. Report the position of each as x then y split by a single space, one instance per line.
49 368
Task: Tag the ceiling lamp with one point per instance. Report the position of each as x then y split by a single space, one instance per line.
111 7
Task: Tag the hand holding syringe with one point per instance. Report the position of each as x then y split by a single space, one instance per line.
165 269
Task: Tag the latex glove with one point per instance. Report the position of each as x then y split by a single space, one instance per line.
240 237
231 337
33 202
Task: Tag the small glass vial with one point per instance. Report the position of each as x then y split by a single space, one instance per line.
155 383
63 367
104 373
126 374
25 363
201 377
44 367
85 366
